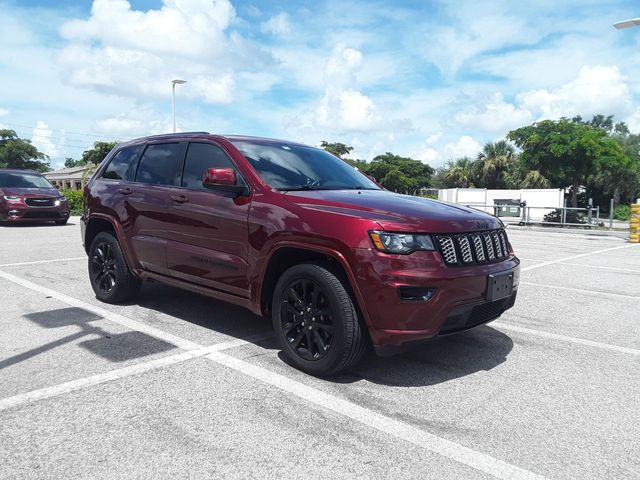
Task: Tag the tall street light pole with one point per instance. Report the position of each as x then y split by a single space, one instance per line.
173 99
632 22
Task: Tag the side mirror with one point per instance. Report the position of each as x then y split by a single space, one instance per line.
224 180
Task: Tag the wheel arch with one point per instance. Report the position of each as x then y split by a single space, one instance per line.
286 255
97 223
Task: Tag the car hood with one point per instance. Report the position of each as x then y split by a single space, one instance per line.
32 192
396 212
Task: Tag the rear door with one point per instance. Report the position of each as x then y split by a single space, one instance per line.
208 242
159 170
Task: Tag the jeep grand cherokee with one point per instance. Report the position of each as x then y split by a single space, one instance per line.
292 232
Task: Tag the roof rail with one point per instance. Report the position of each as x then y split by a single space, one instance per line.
161 135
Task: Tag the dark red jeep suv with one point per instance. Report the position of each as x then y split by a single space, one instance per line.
292 232
27 196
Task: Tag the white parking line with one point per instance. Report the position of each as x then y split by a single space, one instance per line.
423 439
428 441
565 338
580 290
38 262
74 385
573 257
601 267
106 314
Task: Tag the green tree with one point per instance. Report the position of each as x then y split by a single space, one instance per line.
16 152
495 161
460 173
337 149
97 153
400 174
567 152
72 162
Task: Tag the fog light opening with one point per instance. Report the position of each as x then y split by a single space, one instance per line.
416 294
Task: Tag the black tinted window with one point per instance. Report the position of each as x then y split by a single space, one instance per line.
123 164
298 167
23 180
201 156
161 164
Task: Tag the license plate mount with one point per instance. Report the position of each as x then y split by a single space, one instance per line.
499 285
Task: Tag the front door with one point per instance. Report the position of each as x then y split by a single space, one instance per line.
207 243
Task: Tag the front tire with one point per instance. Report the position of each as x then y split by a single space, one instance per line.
111 279
316 322
62 222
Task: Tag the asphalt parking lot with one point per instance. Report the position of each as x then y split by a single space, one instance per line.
178 385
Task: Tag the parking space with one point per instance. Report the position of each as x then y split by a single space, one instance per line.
180 385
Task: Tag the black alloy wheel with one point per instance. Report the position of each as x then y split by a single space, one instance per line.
111 279
316 321
103 267
307 321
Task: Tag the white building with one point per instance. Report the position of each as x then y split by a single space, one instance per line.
67 177
506 203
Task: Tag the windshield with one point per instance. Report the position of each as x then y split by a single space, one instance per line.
298 167
23 180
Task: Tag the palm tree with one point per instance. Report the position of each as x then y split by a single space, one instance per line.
459 174
496 159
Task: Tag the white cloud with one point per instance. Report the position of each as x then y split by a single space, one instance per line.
4 112
596 89
139 54
466 146
495 116
343 107
42 138
276 25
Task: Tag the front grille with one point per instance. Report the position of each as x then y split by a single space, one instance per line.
48 214
39 202
471 248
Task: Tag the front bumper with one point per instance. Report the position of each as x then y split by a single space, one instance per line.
24 213
459 301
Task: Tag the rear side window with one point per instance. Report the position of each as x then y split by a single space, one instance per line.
123 164
161 164
201 156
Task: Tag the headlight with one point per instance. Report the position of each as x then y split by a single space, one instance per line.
403 243
59 200
12 198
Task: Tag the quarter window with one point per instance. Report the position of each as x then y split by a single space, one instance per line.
200 157
161 164
123 164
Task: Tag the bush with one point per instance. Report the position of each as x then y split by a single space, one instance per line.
75 200
573 216
622 212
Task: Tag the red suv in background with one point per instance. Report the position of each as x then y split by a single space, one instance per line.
27 196
293 232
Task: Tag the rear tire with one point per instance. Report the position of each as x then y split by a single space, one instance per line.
111 279
316 322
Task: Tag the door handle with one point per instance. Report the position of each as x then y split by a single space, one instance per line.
179 198
125 191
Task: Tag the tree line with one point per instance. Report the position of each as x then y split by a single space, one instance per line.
597 158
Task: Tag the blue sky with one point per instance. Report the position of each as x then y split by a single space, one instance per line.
432 80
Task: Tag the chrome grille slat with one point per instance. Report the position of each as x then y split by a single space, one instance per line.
465 249
448 249
477 244
496 244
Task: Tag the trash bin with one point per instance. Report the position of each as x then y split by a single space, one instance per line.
507 207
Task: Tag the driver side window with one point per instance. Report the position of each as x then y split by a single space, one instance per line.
200 157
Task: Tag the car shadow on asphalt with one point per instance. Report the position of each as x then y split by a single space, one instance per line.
436 361
114 347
